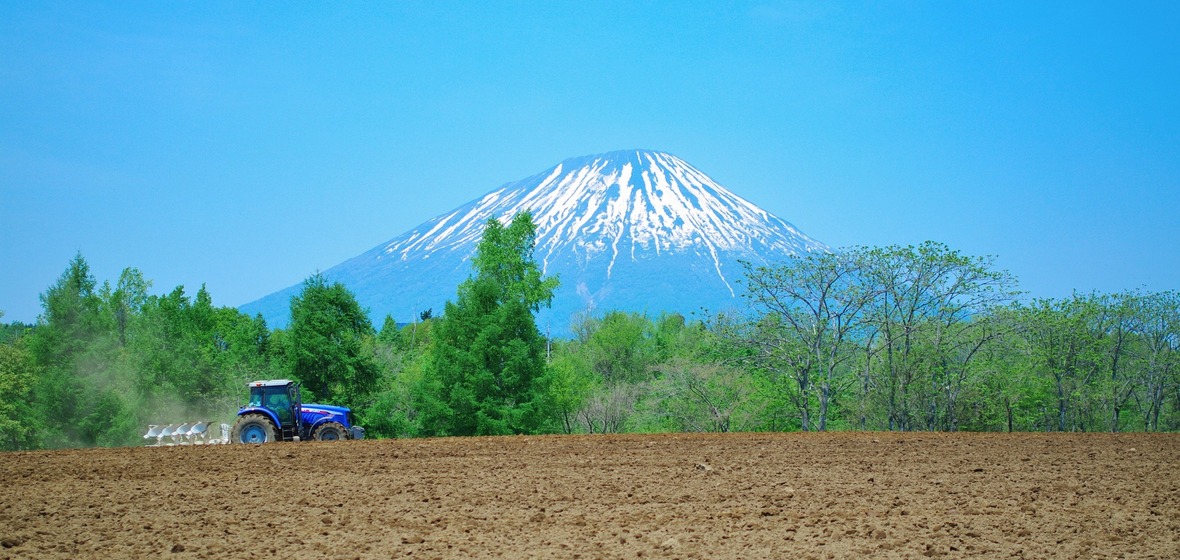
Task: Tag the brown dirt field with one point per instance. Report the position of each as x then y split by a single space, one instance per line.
662 496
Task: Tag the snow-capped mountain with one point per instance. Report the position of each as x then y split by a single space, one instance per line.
634 230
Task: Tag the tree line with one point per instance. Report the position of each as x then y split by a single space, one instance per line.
866 338
925 338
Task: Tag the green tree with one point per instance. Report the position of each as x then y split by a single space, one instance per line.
1160 355
1001 385
566 385
127 300
926 319
621 347
17 375
12 331
1122 323
326 344
67 347
1065 350
487 353
191 357
400 355
808 311
696 396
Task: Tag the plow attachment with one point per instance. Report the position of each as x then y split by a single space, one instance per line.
189 433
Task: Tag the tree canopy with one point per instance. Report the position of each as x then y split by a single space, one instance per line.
326 343
487 353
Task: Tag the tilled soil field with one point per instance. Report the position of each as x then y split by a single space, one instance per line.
667 496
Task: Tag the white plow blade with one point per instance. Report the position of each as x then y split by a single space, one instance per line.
188 433
179 433
197 432
153 434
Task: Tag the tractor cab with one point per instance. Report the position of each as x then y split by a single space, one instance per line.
281 398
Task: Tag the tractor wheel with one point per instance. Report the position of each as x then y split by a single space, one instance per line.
329 431
253 428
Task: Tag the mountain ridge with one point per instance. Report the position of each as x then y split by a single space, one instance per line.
628 229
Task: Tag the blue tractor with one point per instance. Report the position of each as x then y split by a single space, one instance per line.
276 413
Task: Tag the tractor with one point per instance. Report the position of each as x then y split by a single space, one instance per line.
276 413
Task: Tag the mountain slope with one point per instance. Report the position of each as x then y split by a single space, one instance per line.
635 230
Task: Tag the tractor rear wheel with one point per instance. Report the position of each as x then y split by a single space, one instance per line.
329 431
253 428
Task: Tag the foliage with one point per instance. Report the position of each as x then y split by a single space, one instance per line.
106 361
691 396
328 347
907 338
808 312
400 357
888 338
9 332
487 357
565 387
17 376
619 347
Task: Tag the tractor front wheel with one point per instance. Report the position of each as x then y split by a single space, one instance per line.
329 431
253 428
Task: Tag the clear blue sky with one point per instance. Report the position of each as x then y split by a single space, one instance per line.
247 145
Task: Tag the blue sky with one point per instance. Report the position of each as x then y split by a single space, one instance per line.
246 146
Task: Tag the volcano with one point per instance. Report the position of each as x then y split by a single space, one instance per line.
632 230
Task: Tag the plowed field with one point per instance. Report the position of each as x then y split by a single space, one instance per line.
665 496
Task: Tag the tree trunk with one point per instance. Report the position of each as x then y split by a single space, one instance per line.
1060 409
805 402
824 394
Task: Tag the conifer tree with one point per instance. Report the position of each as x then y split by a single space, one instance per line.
326 344
488 354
